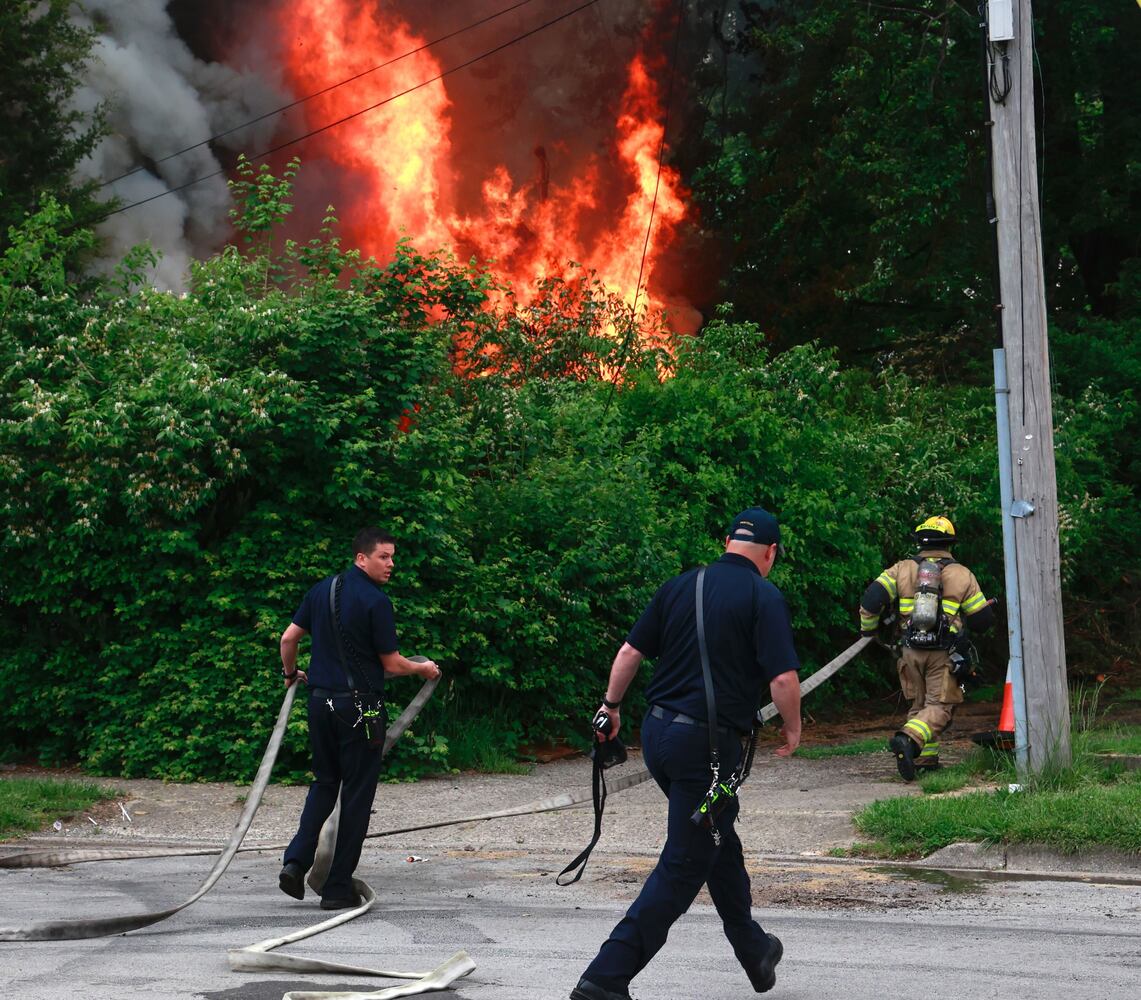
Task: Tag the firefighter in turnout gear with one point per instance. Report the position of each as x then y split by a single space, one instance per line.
937 600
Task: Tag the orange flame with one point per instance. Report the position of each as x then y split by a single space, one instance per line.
400 157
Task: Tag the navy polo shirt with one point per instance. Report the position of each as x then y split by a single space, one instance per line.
369 628
747 631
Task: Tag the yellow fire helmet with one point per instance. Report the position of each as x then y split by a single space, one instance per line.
935 532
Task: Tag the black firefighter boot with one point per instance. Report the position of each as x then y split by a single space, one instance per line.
905 750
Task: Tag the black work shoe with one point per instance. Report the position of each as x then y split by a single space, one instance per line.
292 880
905 753
924 764
340 903
763 975
586 990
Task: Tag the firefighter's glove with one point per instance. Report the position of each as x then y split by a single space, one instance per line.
884 633
963 668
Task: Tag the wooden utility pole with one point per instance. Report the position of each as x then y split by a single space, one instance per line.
1023 297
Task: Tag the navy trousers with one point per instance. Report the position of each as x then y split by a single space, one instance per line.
677 756
344 762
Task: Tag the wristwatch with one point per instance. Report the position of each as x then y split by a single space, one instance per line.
287 676
610 704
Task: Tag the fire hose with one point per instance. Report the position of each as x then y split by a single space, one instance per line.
257 957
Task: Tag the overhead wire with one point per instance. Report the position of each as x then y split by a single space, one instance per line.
987 54
1040 134
1021 219
653 206
323 91
661 154
356 114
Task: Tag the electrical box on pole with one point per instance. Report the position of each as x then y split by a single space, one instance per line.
1000 20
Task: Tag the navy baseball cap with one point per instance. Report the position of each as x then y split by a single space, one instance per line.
758 526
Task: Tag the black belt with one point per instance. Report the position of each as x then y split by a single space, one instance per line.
329 693
662 713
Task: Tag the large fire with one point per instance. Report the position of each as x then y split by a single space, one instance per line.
592 208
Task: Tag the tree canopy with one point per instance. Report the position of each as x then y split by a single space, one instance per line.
42 58
847 173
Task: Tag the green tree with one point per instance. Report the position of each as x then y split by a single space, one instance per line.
42 57
848 175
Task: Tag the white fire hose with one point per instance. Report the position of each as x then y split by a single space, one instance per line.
257 957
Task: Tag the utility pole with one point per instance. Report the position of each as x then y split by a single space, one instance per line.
1032 518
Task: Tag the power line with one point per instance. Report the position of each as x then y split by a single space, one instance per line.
661 152
653 204
319 93
355 114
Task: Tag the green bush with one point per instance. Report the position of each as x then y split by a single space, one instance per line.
178 469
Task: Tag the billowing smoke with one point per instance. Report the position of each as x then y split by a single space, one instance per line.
160 98
543 152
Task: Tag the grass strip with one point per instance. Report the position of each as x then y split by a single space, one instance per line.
1091 815
32 803
1114 739
872 744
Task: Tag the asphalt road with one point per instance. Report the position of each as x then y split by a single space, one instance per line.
850 931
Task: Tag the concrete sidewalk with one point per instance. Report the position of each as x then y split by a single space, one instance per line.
789 808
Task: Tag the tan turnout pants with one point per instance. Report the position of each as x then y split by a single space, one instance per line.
925 677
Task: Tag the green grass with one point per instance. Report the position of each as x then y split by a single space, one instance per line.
485 744
981 764
872 744
946 779
1093 816
32 803
1094 803
1115 739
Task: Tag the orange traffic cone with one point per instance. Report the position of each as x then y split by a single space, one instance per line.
1006 716
1001 738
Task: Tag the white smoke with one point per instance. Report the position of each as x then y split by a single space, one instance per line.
160 98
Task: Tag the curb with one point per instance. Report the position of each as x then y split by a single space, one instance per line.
1035 860
1014 862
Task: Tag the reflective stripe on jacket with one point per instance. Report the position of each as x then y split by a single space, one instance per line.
962 595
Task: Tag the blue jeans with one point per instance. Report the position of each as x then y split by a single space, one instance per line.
677 756
344 762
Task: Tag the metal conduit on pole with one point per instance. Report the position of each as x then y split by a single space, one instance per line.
1030 438
1010 559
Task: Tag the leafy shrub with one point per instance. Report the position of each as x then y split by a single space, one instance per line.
177 470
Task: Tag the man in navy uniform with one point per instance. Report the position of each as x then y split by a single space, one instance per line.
343 759
749 640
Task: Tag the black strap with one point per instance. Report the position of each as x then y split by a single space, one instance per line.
710 701
598 777
598 793
944 562
334 592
